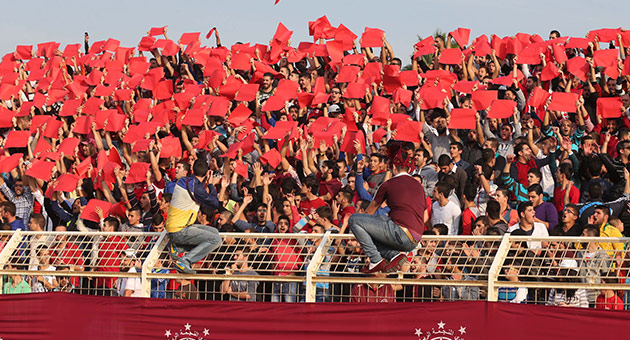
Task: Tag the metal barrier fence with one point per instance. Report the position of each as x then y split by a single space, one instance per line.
582 271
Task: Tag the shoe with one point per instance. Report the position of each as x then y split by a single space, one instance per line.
373 268
184 267
395 264
173 251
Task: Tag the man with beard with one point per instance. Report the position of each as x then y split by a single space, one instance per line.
437 133
427 171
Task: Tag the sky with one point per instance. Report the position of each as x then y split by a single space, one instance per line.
37 21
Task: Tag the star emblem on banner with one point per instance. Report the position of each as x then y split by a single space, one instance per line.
187 326
206 332
166 334
188 333
441 333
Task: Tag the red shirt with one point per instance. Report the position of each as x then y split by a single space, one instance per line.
309 207
468 218
613 302
406 201
363 292
558 197
70 255
109 259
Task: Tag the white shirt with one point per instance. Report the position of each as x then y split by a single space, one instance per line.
539 231
130 283
450 215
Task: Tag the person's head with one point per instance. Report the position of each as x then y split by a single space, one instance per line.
43 254
441 191
324 215
267 81
200 168
440 229
445 163
310 185
241 256
523 151
361 206
534 176
111 224
535 194
481 225
284 223
37 222
377 162
493 210
502 196
590 231
532 82
145 201
594 166
439 122
182 169
421 157
8 211
18 187
554 34
506 130
456 150
342 167
526 212
134 215
157 223
224 217
623 148
570 214
565 172
492 144
344 197
329 169
601 214
261 212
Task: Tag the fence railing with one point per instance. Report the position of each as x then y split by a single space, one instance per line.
578 271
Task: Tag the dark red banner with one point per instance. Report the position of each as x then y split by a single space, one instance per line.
68 316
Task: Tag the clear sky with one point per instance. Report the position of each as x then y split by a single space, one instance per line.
36 21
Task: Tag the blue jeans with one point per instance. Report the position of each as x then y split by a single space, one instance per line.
379 236
284 292
201 238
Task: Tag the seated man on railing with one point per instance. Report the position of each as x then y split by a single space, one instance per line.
188 194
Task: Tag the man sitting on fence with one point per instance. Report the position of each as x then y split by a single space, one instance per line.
188 194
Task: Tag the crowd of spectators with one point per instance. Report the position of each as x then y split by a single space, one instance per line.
517 135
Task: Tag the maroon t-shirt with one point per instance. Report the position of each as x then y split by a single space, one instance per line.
406 201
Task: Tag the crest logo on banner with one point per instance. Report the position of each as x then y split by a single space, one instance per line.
187 334
441 333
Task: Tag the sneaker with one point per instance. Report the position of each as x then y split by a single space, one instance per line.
184 267
395 264
173 251
374 267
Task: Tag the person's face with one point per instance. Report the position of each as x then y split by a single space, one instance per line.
304 82
483 72
526 152
374 162
530 84
324 170
568 215
335 94
455 152
44 256
599 216
267 81
436 194
446 168
479 228
286 208
285 72
506 132
32 226
534 198
145 202
222 220
625 100
293 111
352 183
158 228
529 214
283 226
180 171
261 212
19 188
419 158
342 169
494 123
532 179
133 217
467 104
565 127
76 206
611 125
501 198
239 257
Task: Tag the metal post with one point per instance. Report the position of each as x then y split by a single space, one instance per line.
313 266
8 249
149 262
497 263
